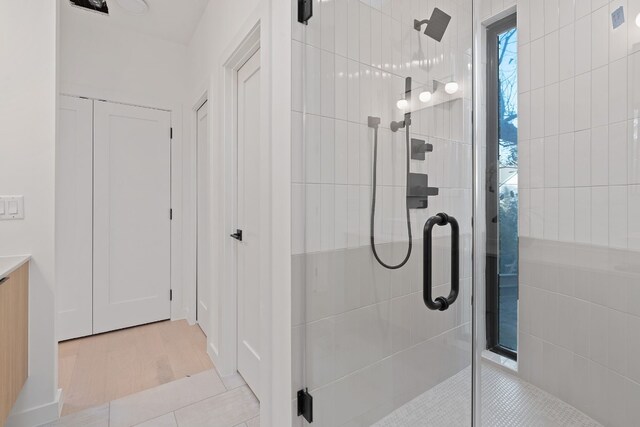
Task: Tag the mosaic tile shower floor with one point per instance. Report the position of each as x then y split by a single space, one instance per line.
507 401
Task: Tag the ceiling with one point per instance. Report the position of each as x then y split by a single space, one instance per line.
170 20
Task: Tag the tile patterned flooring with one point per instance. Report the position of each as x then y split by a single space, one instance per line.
507 401
206 400
201 400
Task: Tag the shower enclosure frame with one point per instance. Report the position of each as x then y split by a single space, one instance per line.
593 160
477 240
492 134
470 197
479 135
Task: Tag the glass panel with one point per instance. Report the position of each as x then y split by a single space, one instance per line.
372 95
578 232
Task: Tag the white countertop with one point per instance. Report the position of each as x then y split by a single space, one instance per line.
9 264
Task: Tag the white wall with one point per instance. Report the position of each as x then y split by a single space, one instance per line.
220 30
580 201
219 27
100 61
222 27
27 142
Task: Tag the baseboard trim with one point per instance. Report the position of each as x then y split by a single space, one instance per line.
191 319
39 415
212 351
60 397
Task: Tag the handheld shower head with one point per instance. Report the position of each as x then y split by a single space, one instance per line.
435 26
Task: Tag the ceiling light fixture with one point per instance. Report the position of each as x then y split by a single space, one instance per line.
402 104
135 7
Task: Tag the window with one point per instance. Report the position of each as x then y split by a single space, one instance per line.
502 187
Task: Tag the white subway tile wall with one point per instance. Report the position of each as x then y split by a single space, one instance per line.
363 341
579 202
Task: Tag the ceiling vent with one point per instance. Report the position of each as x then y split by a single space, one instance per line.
94 5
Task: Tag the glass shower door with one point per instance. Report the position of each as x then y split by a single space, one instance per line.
381 212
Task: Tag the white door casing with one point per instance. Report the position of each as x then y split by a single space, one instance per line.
203 236
248 219
132 199
74 177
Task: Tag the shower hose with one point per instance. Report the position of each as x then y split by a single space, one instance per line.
373 202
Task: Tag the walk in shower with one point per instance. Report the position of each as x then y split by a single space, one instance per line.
405 176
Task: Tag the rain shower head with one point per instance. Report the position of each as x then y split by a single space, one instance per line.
435 26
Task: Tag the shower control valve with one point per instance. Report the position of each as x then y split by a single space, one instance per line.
419 148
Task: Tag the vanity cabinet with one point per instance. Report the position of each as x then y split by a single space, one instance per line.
14 328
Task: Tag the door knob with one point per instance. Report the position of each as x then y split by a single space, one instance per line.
237 235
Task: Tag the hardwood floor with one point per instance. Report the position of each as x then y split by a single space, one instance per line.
101 368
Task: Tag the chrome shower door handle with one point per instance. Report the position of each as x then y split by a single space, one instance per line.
440 303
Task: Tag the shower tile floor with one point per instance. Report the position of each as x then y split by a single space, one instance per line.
507 401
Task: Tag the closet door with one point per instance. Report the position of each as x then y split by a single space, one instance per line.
131 234
74 176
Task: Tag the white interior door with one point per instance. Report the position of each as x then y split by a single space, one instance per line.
204 213
132 198
249 221
74 177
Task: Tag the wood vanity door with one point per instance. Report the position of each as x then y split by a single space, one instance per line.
14 328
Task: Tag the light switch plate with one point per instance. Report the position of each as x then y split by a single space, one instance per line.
11 207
